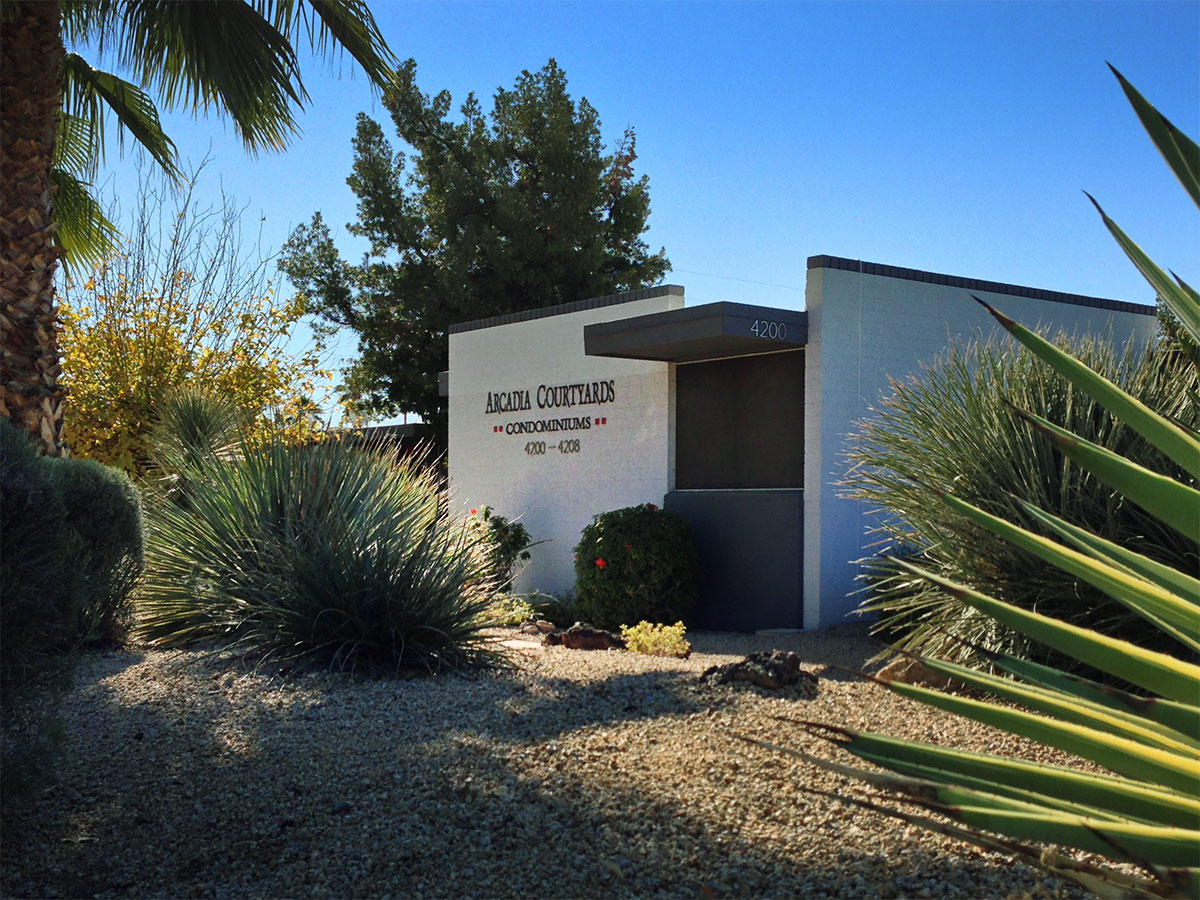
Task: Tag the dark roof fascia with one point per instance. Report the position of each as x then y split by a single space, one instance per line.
696 333
976 284
661 290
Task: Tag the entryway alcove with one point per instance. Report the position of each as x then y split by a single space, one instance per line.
738 450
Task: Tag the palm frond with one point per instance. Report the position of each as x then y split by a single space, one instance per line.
88 94
85 234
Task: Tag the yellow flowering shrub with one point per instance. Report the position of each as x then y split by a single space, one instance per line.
126 344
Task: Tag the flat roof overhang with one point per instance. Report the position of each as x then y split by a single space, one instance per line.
691 334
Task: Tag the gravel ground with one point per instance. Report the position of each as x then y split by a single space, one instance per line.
573 774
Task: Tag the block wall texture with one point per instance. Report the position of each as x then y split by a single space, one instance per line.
863 329
623 458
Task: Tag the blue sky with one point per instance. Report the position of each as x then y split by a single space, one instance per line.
954 137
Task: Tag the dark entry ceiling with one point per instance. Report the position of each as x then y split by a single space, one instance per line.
691 334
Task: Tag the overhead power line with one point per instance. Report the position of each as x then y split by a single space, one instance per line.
786 287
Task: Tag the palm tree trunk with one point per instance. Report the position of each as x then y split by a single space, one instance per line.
31 53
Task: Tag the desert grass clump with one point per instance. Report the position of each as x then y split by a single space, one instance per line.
329 554
954 427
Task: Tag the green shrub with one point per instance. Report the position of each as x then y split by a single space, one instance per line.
70 551
508 543
952 427
656 640
508 609
328 553
635 563
104 509
40 576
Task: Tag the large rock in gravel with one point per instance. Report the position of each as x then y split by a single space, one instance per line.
582 636
770 669
910 670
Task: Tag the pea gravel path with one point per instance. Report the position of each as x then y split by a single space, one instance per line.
574 774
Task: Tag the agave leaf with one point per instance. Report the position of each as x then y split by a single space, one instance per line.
1180 151
1108 794
1176 442
928 780
1102 881
1176 770
1172 502
1158 673
1169 290
1183 719
1188 289
1160 846
1165 576
1138 594
1068 707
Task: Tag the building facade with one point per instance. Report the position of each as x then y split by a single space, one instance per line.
733 416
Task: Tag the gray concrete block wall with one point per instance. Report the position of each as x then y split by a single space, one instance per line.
863 329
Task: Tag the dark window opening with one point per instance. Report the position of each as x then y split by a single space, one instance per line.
739 423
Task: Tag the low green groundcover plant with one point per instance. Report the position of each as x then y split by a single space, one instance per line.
657 640
956 427
635 563
330 554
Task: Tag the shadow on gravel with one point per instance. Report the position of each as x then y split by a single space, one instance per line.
338 787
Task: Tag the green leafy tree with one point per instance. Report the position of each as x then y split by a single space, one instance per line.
236 59
514 210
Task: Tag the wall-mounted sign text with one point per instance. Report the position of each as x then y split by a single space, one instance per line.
551 396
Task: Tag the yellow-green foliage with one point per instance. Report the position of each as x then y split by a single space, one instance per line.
126 345
656 640
186 302
510 610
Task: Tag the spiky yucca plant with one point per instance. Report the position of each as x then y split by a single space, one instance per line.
333 554
1143 807
953 426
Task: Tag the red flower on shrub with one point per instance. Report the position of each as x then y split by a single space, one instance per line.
473 511
629 546
601 563
651 507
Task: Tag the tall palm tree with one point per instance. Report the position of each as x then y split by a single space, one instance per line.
234 58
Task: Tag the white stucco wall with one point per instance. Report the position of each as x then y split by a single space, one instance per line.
622 461
863 328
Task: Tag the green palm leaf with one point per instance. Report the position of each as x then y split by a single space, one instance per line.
85 234
88 93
